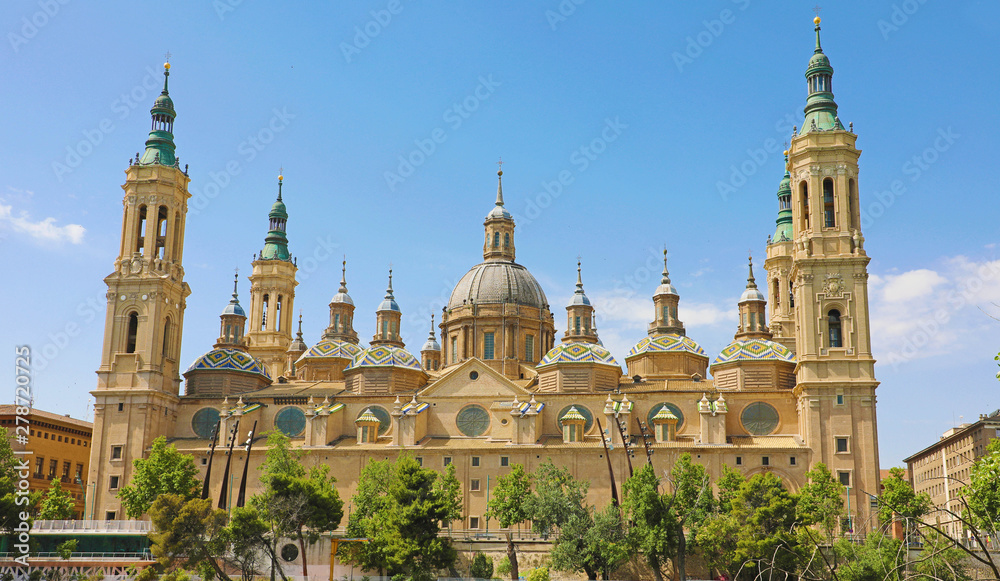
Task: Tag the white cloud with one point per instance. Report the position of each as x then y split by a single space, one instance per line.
44 230
928 313
910 285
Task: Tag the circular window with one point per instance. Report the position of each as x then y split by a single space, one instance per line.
473 421
473 375
673 409
289 552
759 418
204 421
291 421
583 412
384 421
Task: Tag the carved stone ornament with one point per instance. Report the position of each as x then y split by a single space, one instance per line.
834 286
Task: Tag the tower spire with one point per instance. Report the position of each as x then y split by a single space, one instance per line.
751 283
783 231
276 242
343 277
500 183
160 143
665 277
821 109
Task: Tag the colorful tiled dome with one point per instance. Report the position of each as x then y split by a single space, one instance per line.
368 417
230 359
572 415
384 356
668 344
754 350
578 353
332 348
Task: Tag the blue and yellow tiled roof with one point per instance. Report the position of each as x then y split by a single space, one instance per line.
384 356
578 352
754 350
666 344
231 359
333 348
367 417
571 415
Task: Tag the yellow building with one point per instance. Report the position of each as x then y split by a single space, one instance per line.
494 385
59 449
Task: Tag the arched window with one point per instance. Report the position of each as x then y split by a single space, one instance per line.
166 338
805 206
791 295
666 313
828 210
836 337
140 233
385 330
277 315
336 323
506 240
852 202
776 293
133 332
263 312
496 240
576 325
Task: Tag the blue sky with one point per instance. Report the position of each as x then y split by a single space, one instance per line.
665 121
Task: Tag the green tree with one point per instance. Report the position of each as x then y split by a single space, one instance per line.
878 558
401 508
899 498
691 505
165 471
592 542
821 500
482 567
507 507
12 504
654 524
556 498
982 495
295 505
766 540
370 502
248 538
189 534
57 504
941 559
718 535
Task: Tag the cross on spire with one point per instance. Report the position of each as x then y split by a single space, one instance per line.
166 55
816 9
500 164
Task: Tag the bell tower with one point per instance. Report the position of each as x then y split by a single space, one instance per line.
835 377
138 381
272 294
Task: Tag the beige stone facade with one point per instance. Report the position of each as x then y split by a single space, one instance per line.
941 470
492 387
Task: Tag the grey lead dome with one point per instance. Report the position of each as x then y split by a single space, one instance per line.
497 282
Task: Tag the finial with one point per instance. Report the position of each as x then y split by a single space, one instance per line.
166 71
579 277
500 183
816 21
343 276
751 283
299 334
431 335
666 274
388 291
281 178
236 281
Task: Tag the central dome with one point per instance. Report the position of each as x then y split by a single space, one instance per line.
497 282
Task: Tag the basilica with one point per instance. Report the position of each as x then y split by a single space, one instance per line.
496 383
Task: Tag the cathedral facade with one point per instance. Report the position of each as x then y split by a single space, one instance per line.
494 383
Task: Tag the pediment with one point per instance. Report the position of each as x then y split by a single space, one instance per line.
488 383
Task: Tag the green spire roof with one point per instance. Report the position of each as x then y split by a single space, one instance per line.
821 109
160 143
276 243
784 221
